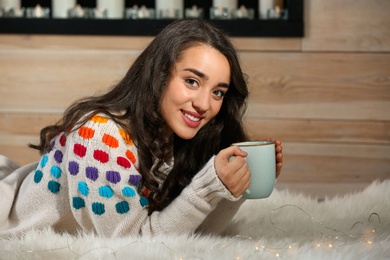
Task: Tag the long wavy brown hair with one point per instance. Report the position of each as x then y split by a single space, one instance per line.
134 103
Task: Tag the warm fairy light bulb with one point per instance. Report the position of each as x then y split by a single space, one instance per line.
369 242
277 255
330 245
289 247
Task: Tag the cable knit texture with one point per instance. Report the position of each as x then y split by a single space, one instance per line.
89 180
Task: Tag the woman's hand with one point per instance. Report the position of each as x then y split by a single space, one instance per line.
278 155
234 174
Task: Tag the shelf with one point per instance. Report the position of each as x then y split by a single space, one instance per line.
239 28
291 27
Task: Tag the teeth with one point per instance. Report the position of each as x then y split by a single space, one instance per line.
192 118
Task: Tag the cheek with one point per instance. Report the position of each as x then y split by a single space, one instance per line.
176 93
215 107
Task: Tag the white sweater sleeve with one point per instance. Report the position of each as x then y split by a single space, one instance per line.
100 164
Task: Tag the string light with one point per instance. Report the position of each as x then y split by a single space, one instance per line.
330 239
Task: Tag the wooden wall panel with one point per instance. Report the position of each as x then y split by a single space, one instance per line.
133 43
19 152
326 96
73 42
292 85
319 85
350 25
312 130
49 80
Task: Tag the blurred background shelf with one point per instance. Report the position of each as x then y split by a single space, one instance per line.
293 26
239 28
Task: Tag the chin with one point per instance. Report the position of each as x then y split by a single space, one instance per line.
187 135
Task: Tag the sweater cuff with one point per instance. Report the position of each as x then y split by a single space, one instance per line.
208 185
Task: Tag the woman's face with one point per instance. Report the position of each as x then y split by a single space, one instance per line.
195 92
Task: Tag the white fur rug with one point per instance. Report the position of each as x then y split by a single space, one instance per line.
284 226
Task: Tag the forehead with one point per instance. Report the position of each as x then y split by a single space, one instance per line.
193 47
207 61
202 53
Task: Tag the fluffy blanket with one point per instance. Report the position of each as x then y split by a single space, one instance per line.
285 226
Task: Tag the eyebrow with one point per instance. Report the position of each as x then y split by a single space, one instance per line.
204 76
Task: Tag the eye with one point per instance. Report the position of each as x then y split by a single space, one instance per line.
192 82
219 93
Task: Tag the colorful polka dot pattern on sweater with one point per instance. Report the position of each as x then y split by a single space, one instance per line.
102 173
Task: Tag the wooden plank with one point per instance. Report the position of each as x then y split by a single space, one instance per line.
74 41
25 124
345 86
267 44
311 130
322 162
368 132
357 25
49 80
334 169
20 154
133 42
293 85
15 147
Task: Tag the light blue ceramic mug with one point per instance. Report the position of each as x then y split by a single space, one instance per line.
262 165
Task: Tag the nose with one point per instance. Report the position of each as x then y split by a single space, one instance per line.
201 101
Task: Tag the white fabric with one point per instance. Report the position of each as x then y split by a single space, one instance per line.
251 235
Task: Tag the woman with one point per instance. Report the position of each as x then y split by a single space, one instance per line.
150 156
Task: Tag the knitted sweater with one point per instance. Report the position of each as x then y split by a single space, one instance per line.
88 181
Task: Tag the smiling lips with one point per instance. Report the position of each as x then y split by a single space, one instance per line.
192 119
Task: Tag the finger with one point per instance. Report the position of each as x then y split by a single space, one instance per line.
279 157
232 151
242 185
279 166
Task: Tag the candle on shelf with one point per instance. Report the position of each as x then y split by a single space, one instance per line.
265 6
277 12
169 8
279 3
231 5
7 5
77 12
115 8
139 12
243 13
38 11
194 12
18 12
60 8
99 13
